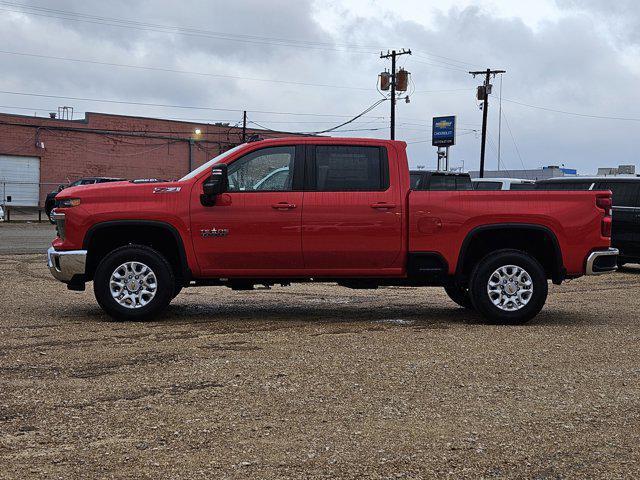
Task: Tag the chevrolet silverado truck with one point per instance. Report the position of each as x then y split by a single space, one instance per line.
328 210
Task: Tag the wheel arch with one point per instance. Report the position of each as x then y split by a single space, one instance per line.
530 238
162 236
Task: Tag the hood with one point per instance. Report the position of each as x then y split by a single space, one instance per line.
119 191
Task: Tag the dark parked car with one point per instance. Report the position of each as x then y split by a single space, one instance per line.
427 180
51 196
625 234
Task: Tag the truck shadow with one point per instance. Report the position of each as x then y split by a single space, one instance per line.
630 268
267 317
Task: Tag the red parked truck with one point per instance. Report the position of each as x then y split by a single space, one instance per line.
325 209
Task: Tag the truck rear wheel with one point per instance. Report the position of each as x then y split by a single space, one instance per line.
508 287
134 282
459 295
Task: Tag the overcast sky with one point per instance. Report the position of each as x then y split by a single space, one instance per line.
322 58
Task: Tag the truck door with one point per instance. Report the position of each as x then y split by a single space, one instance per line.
254 228
353 206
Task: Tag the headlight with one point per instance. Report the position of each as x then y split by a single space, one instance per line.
67 202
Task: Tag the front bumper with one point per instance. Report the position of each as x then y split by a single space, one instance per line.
64 265
602 261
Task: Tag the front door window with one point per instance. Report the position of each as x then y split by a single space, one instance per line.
268 169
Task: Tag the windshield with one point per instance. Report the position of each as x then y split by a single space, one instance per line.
210 163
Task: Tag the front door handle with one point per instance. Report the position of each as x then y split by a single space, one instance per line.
383 205
283 206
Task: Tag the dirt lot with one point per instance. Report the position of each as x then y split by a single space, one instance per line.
317 382
25 237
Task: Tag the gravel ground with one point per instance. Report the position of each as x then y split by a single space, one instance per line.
316 381
26 237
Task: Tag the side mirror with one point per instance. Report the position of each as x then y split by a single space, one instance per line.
216 184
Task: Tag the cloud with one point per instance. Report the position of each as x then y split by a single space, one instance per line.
622 17
571 61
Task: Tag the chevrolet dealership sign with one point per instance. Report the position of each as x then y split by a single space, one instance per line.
443 132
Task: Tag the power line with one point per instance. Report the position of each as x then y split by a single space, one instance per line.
204 74
367 110
447 67
165 105
495 152
122 23
190 31
210 121
353 119
506 121
602 117
187 72
450 90
427 54
429 140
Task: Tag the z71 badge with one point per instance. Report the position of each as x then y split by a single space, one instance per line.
214 232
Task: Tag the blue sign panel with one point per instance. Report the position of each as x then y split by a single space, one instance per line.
443 133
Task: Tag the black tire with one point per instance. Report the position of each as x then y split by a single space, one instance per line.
48 212
533 302
459 295
164 282
48 207
176 290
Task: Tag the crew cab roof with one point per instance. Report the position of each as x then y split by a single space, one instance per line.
503 179
327 140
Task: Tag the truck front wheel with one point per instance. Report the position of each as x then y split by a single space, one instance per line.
134 282
508 287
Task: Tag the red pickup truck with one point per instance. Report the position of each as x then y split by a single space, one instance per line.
325 209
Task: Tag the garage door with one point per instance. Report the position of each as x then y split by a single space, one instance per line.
19 180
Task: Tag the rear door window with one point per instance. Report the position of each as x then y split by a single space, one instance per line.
336 168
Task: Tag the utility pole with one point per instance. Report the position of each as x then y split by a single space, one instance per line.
244 126
483 94
392 55
500 126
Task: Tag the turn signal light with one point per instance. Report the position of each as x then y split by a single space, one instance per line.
68 202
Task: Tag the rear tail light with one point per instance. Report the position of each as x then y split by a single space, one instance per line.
606 227
604 202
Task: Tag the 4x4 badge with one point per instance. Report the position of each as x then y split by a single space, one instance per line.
214 232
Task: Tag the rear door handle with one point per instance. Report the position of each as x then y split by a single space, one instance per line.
283 206
383 205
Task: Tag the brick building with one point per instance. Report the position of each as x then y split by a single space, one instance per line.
37 154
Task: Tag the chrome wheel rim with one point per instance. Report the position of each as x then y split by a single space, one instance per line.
510 288
133 285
